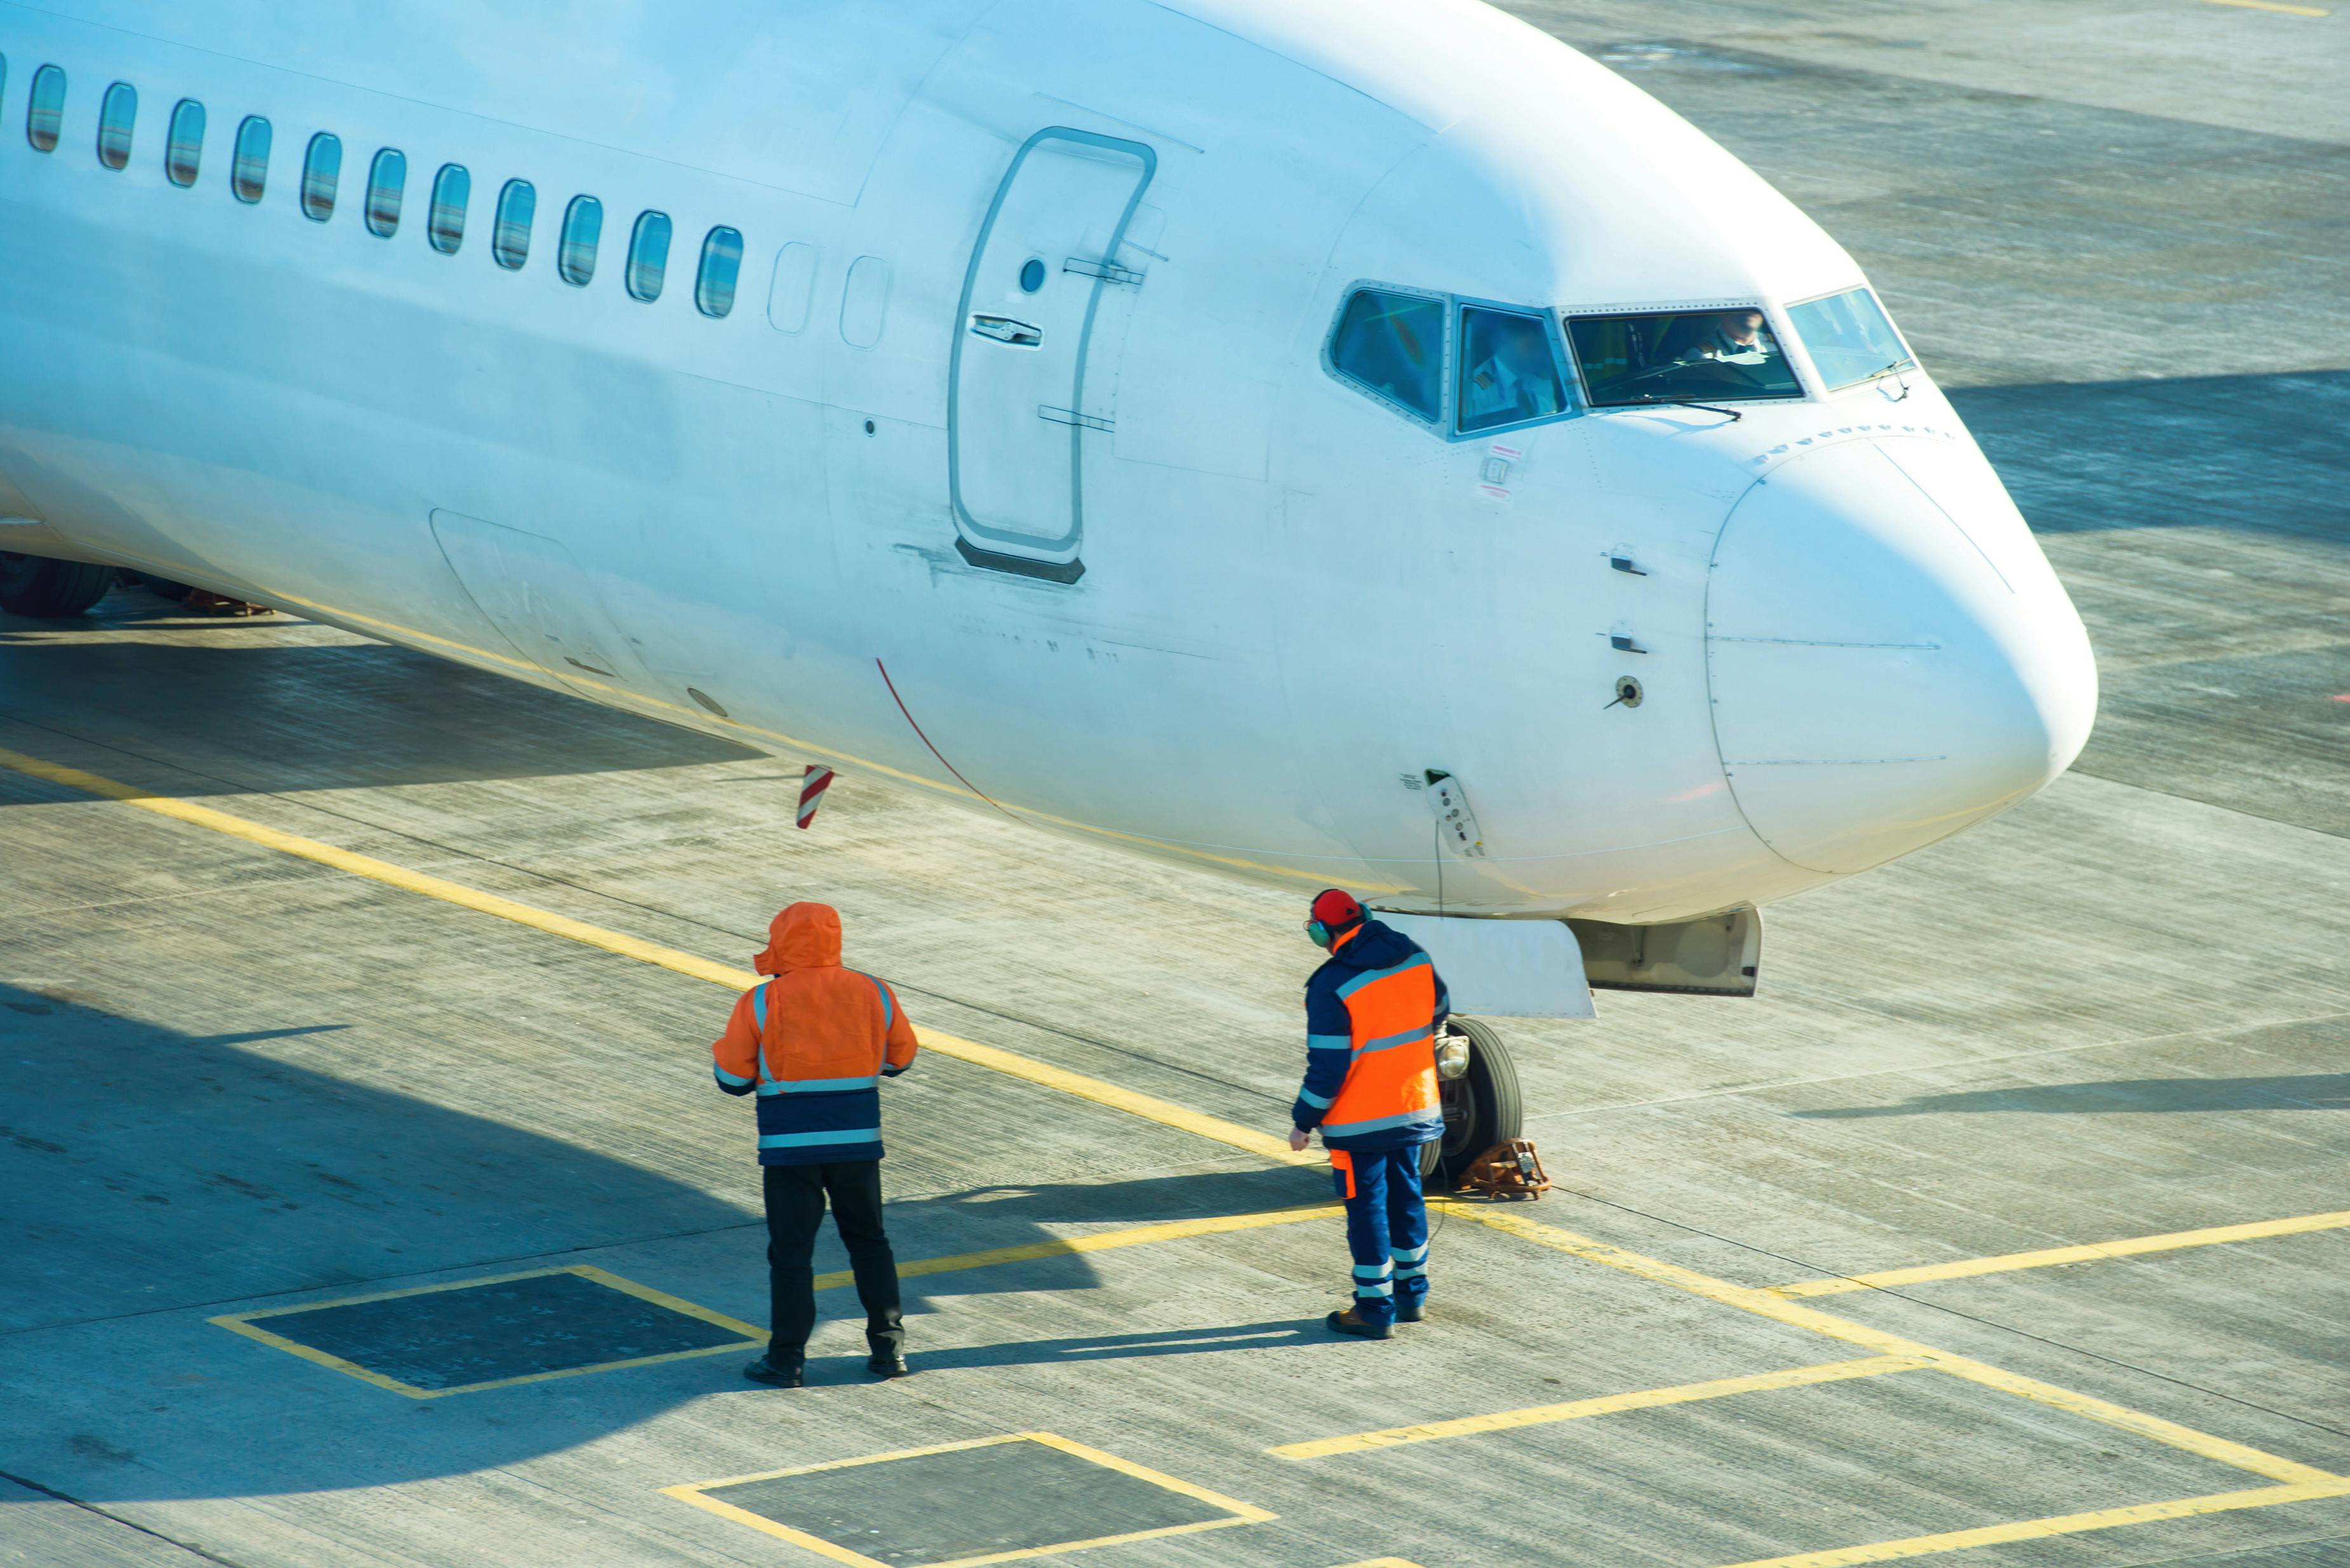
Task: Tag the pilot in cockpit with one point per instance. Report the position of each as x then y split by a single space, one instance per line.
1735 337
1515 379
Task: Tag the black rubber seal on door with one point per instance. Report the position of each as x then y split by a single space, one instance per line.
1020 565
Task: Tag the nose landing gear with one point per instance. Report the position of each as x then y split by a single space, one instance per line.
37 586
1477 1085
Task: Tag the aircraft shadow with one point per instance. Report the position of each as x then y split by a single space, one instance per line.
271 715
2258 452
2304 1092
156 1178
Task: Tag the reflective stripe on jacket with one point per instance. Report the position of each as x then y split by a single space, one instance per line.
814 1043
1371 1016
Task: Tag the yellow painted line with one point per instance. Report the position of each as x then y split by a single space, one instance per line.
2053 1257
1762 1301
244 1322
1763 1304
1101 1241
1239 1513
1100 1091
1380 1562
2271 6
2061 1524
1605 1405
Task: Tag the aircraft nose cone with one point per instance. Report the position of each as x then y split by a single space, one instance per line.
1891 656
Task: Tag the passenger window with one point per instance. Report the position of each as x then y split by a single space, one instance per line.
248 170
1393 345
1509 375
509 234
45 111
583 226
117 112
722 263
444 225
322 171
386 182
649 254
183 145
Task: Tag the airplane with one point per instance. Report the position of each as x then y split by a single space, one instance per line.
1336 442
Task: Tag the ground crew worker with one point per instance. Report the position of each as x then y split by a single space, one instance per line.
1371 1016
815 1041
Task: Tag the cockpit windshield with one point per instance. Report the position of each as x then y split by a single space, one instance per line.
1509 371
1681 357
1849 339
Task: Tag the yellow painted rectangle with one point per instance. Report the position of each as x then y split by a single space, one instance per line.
2054 1257
246 1324
1764 1304
1240 1513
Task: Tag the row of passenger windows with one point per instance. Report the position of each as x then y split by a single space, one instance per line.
511 222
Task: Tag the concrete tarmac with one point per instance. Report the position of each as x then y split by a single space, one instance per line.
1826 1280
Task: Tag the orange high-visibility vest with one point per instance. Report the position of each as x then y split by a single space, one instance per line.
1392 1078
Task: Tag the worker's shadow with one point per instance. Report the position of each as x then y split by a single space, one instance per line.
985 1219
2304 1092
1097 1347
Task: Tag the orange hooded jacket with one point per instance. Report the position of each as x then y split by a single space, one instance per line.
815 1042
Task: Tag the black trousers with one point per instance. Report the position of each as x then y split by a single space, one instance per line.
795 1197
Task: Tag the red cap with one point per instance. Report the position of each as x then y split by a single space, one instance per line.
1335 909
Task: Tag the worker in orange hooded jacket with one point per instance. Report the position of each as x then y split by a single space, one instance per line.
815 1042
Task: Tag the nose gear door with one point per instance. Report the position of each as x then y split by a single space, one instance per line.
1016 411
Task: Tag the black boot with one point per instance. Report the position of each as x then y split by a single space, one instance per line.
1410 1311
776 1371
888 1346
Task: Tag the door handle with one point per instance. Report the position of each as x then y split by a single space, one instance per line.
1004 329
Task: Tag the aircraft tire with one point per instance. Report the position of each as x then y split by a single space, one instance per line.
1483 1107
37 586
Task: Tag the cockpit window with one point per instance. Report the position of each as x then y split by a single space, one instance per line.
1678 356
1849 339
1509 371
1393 345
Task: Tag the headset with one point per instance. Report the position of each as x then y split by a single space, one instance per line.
1322 935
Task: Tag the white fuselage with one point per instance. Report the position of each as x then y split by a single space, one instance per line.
1213 602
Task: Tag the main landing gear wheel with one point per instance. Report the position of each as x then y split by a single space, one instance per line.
1477 1085
37 586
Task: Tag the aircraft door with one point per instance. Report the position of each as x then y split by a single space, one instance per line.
1017 412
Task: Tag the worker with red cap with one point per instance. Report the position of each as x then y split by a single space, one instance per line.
815 1042
1372 1013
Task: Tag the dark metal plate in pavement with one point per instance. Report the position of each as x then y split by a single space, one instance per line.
967 1503
486 1334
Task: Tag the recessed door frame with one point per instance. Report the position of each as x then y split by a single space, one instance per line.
977 543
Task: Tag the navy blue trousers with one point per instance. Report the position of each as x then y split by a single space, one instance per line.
1386 1228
